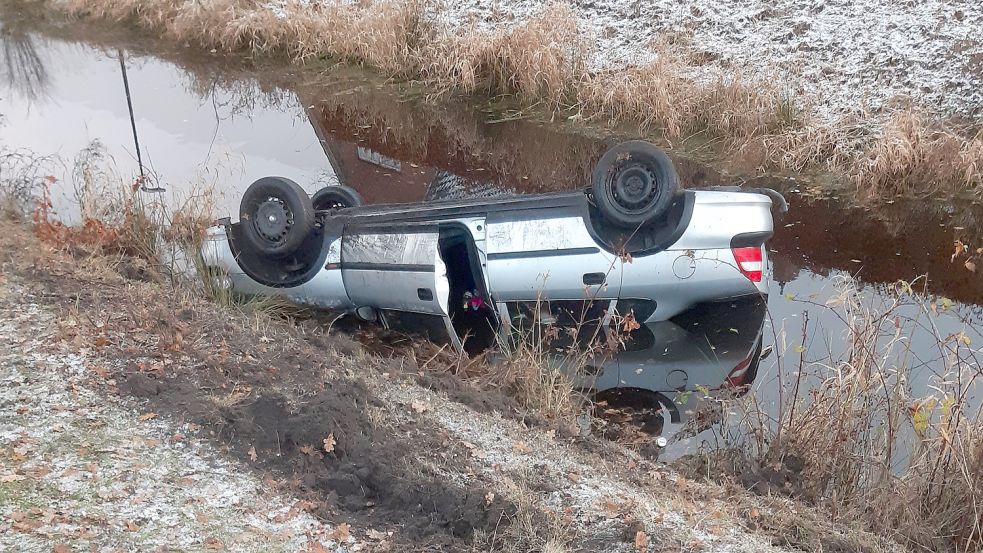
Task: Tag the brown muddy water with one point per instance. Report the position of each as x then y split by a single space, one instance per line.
204 125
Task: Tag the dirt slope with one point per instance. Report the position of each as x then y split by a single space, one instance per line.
137 416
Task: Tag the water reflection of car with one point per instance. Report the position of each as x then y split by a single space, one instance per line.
668 374
631 243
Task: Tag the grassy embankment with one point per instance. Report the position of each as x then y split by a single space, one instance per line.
543 62
848 436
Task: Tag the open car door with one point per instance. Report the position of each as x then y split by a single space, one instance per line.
397 269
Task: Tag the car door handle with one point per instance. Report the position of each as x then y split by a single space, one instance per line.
593 279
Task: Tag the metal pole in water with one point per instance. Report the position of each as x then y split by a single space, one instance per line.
133 121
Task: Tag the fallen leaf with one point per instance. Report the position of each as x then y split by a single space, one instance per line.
329 443
132 526
316 547
970 265
959 249
521 447
252 453
340 533
307 449
612 509
489 497
146 417
214 544
376 535
641 541
419 406
61 548
573 477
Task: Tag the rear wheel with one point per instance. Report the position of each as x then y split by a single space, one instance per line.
634 184
336 197
276 216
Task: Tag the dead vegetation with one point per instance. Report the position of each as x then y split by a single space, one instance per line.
545 61
912 154
850 436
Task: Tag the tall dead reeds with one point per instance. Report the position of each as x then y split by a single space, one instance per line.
876 433
540 59
912 154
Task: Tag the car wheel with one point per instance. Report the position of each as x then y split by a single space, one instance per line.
276 216
634 184
336 197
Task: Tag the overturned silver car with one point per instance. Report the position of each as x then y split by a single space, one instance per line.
462 271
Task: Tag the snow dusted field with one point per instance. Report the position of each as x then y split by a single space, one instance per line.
844 54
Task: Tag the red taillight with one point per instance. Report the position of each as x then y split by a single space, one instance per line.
749 262
738 375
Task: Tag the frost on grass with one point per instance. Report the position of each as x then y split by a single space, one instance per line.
78 470
843 53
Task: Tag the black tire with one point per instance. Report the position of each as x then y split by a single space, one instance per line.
276 216
336 197
634 184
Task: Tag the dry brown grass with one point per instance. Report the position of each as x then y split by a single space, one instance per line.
660 96
914 154
532 528
155 14
538 381
653 95
541 59
545 60
832 147
909 465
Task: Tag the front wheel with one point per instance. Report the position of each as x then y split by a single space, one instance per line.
634 184
276 216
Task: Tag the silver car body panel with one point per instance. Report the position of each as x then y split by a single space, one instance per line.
544 254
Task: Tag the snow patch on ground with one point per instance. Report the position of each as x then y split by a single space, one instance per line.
843 55
80 469
846 54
